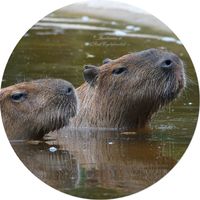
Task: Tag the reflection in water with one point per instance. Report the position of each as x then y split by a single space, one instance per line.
94 163
88 159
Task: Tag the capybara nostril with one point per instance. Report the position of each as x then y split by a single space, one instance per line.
65 89
167 64
69 90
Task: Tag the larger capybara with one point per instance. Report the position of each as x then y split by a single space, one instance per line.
124 93
31 109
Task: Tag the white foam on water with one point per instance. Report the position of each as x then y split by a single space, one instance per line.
71 20
72 26
119 33
145 36
133 28
85 19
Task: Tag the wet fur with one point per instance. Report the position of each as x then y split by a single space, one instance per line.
128 101
46 108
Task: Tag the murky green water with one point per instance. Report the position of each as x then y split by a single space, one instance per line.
91 163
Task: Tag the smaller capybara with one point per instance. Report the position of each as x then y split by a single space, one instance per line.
124 93
31 109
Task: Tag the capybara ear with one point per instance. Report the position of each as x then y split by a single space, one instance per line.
90 74
107 60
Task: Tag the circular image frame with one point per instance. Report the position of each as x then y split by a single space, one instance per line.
90 57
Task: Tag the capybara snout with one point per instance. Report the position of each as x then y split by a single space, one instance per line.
161 58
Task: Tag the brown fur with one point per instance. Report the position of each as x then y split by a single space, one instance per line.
47 105
128 100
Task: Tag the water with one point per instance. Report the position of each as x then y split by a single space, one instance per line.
100 163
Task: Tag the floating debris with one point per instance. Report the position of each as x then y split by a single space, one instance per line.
53 149
190 103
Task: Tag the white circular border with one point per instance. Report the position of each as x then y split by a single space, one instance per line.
16 181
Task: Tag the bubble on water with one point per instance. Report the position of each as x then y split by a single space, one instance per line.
119 33
85 18
110 142
87 43
190 103
53 149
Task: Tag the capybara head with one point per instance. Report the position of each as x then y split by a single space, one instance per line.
31 109
126 92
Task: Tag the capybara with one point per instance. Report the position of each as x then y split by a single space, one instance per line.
31 109
124 93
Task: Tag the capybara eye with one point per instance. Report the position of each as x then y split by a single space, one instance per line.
18 96
120 70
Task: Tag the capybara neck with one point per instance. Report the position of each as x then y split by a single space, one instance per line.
124 93
31 109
